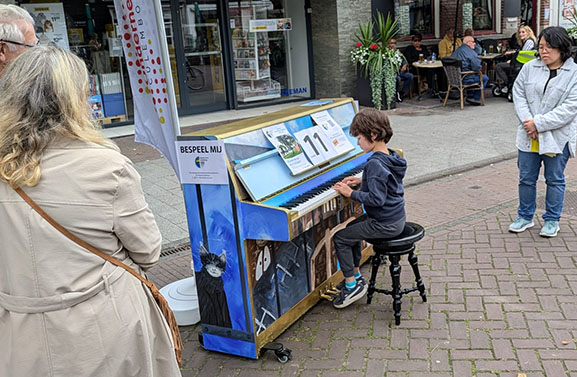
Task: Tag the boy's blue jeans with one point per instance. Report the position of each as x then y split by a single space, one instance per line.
475 94
529 165
348 241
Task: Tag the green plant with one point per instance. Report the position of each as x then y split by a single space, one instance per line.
377 61
572 31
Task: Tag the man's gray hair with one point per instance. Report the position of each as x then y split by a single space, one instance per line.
11 18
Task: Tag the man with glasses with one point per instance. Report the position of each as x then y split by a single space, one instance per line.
16 33
470 61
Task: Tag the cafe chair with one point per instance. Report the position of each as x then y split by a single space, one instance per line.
455 78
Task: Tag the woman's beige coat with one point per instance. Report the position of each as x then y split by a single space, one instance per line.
63 310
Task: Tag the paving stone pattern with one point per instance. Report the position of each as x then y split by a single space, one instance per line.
499 304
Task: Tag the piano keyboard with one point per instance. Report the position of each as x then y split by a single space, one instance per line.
312 199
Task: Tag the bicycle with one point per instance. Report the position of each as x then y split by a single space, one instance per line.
194 78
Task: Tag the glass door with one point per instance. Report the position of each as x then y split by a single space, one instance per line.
201 75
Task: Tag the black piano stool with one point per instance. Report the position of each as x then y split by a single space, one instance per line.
394 248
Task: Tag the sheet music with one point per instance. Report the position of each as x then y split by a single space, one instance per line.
333 131
288 148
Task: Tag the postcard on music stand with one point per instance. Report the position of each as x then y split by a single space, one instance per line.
288 148
333 131
316 145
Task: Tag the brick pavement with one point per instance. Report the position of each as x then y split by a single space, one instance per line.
500 304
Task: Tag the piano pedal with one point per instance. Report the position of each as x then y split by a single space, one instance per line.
329 293
327 297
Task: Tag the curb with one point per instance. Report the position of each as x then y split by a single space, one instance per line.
458 169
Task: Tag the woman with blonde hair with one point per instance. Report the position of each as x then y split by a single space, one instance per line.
65 311
526 39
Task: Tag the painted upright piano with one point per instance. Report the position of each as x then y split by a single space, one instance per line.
262 243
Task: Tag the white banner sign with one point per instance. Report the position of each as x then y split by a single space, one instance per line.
202 162
49 23
144 43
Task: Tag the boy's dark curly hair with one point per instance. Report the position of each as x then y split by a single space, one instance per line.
369 122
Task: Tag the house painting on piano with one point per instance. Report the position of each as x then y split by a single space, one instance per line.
274 262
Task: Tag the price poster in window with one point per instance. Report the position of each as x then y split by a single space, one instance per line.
333 132
316 145
49 23
288 148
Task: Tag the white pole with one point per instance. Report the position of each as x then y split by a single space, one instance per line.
166 63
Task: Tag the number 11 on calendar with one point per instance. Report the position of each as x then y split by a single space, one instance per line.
316 145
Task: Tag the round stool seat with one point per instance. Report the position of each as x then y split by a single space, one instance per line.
411 234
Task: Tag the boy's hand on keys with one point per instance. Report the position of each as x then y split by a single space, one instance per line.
343 189
352 181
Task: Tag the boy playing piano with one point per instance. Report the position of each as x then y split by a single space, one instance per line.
382 195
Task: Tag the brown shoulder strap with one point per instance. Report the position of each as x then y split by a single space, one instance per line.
74 238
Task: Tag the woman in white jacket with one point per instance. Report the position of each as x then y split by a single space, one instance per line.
63 310
545 96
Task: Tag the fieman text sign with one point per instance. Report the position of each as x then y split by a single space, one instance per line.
202 162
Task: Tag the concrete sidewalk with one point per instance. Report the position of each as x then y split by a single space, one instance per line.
436 141
499 304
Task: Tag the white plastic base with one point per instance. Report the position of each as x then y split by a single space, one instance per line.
183 300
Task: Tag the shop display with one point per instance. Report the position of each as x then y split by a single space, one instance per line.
251 53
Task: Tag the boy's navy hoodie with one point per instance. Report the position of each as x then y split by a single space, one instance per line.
381 191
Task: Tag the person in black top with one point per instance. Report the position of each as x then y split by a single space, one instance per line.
413 51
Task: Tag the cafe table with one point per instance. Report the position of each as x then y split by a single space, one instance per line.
429 65
490 60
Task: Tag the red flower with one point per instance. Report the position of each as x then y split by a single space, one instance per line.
374 47
359 44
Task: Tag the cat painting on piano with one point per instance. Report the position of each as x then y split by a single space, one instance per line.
275 221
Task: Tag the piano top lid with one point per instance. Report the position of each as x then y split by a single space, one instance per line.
254 123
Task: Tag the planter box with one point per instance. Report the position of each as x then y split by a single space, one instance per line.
364 92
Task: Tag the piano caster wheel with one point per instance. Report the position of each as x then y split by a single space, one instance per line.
282 354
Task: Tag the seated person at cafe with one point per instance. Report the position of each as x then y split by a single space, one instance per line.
470 62
526 39
403 73
478 48
413 51
446 44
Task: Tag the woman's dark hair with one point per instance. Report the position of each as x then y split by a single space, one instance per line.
558 38
369 122
417 37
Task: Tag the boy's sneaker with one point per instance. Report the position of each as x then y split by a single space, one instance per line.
347 297
550 228
341 285
521 225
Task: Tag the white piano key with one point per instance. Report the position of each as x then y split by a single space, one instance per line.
324 199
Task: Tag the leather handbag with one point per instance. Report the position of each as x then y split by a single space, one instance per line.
160 300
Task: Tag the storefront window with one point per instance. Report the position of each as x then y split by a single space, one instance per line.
204 73
269 49
482 14
89 31
414 17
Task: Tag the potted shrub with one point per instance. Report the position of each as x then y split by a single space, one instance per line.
376 61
